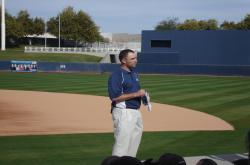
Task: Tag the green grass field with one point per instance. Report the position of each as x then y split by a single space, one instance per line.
18 54
225 97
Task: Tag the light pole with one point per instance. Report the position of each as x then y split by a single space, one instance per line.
59 31
3 27
45 33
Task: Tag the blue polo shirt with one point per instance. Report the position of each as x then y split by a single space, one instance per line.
124 82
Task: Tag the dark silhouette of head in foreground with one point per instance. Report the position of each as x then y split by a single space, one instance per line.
124 160
109 160
206 162
171 159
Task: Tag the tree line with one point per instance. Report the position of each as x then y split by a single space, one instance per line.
172 23
75 25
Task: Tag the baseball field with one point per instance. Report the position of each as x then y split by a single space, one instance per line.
225 97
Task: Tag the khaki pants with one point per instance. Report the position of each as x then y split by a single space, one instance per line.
128 130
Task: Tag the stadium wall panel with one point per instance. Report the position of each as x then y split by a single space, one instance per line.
141 68
199 47
5 65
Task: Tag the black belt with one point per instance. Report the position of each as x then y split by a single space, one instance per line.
121 108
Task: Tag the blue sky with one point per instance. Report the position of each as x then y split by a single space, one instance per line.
132 16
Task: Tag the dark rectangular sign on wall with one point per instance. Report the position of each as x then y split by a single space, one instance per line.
161 43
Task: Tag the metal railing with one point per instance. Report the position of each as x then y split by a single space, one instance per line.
96 51
70 49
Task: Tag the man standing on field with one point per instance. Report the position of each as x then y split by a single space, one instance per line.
125 93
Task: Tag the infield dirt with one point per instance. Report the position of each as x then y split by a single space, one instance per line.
33 113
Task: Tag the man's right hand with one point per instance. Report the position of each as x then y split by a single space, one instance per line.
141 93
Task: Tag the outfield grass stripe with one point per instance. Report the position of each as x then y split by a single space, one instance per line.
204 104
200 94
176 86
174 82
234 112
95 90
55 87
205 82
242 122
65 81
204 91
220 108
231 102
205 97
193 79
207 105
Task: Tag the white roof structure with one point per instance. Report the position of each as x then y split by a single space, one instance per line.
107 35
45 35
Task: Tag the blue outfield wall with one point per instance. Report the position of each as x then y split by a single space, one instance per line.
76 67
141 68
194 69
69 67
213 52
5 65
66 67
199 47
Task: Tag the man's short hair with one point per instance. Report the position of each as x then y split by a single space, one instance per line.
124 53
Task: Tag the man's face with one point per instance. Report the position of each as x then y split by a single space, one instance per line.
131 60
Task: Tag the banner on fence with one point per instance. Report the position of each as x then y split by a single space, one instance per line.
23 66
